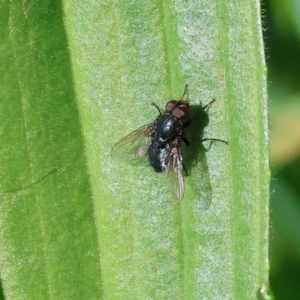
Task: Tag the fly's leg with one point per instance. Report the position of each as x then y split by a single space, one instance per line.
185 141
185 172
185 92
208 104
212 139
155 105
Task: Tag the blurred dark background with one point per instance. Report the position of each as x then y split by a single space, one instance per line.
282 40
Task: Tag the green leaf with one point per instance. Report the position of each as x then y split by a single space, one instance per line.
48 235
93 227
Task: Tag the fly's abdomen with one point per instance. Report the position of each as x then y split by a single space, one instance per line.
154 158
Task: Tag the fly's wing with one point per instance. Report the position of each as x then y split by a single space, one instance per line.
134 144
174 172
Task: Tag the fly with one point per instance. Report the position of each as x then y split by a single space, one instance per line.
161 141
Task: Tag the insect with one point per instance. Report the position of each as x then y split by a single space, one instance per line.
161 141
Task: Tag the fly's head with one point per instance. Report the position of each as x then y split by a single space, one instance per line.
179 109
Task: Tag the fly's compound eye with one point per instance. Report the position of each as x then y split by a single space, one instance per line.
178 112
171 105
181 110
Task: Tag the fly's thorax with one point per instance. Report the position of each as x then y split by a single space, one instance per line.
168 127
